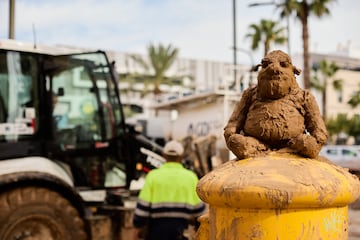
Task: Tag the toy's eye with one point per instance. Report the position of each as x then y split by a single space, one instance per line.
284 64
264 64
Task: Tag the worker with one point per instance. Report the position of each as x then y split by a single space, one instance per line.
168 202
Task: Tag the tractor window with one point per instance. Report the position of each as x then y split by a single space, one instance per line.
19 107
102 73
75 108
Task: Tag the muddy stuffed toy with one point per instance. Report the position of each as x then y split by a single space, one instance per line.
276 115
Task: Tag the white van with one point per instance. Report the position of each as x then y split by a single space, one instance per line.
343 155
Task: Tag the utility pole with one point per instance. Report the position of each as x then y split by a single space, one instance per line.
226 83
11 19
252 63
234 39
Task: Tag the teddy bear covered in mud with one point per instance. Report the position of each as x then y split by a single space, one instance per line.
276 115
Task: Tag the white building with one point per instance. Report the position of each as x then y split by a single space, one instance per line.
214 92
203 75
349 73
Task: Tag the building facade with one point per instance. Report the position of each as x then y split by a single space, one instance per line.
349 73
177 115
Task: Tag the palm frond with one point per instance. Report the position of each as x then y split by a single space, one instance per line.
266 32
142 62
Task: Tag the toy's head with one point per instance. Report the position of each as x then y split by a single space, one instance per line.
277 75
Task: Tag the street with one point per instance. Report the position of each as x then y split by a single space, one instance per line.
354 220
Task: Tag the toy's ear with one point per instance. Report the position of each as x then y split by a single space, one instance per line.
255 68
297 71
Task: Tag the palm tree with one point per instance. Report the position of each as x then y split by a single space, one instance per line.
303 9
161 58
320 83
355 98
267 31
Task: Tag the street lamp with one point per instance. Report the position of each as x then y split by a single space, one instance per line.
287 20
234 38
234 48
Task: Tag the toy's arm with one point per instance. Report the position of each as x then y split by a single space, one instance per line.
314 123
310 144
237 119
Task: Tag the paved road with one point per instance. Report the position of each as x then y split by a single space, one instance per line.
354 221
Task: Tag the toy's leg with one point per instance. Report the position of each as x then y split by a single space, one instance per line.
245 146
306 145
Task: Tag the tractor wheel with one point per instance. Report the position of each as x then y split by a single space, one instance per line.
30 213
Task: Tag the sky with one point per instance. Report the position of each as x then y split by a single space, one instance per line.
200 29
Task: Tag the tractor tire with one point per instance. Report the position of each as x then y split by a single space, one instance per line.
30 213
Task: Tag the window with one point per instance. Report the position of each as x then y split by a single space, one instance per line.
340 96
86 107
349 153
75 111
331 152
18 90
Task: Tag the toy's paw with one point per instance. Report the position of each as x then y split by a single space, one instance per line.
306 145
245 146
228 132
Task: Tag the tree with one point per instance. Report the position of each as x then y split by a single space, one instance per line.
303 9
354 128
355 98
161 58
337 125
324 73
342 124
266 32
